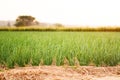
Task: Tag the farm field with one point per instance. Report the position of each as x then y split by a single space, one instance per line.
24 48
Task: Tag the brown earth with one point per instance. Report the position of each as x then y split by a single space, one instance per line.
61 73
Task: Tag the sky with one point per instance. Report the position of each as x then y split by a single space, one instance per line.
70 12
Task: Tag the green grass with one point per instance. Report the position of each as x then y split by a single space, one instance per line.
100 48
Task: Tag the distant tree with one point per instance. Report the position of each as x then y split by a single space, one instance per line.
36 23
58 25
24 20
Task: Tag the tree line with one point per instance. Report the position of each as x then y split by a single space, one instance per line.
26 20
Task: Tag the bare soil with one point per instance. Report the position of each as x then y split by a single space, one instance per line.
61 73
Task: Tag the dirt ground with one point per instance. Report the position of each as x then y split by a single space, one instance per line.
61 73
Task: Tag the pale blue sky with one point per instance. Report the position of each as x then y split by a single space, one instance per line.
76 12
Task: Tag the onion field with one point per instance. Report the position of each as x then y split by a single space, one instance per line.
33 47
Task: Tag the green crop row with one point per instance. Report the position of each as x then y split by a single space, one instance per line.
24 48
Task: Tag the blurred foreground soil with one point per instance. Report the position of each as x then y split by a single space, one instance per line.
61 73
